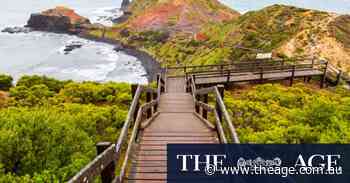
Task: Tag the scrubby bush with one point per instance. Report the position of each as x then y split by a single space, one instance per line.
49 128
90 92
155 36
276 114
53 143
30 96
5 82
52 84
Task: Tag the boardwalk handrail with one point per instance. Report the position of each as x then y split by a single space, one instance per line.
252 62
327 72
104 164
331 75
264 70
220 111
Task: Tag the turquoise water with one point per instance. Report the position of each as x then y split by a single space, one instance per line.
338 6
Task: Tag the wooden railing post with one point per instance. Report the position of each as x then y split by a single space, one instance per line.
197 106
186 79
155 96
133 92
149 99
293 75
323 79
204 111
190 85
228 76
222 69
338 77
261 75
282 64
162 85
221 89
158 77
108 173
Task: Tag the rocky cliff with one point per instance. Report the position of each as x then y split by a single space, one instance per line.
177 15
207 32
59 19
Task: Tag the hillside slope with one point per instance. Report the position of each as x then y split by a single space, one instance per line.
207 32
177 15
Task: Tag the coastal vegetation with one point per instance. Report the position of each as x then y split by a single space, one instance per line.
273 113
5 82
49 128
286 31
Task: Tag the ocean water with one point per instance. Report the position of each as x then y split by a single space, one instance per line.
42 53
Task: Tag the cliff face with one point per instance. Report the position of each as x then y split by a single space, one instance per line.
177 15
207 32
59 19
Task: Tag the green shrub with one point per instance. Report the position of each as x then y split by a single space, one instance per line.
51 144
52 84
49 129
30 96
5 82
155 36
90 92
276 114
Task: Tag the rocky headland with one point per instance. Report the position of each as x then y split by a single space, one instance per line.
59 19
183 32
66 20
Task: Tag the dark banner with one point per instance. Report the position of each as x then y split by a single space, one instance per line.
258 163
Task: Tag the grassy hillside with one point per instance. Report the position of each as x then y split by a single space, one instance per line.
176 15
206 32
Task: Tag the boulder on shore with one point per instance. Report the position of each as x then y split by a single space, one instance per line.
59 19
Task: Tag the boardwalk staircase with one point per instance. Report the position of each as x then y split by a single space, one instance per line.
186 107
169 115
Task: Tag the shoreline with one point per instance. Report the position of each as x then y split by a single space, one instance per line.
150 64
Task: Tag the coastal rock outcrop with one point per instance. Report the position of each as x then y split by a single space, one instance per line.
59 19
14 30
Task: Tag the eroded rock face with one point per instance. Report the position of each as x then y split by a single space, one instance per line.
59 19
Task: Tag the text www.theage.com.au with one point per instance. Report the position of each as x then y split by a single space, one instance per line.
282 171
316 164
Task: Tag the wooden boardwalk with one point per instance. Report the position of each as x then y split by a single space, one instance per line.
170 115
254 76
176 123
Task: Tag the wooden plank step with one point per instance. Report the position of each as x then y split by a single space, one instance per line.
145 181
151 153
136 169
178 142
152 148
172 131
148 176
193 139
177 134
144 163
150 158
